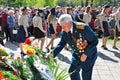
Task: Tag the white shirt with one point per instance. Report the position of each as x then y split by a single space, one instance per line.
87 18
37 22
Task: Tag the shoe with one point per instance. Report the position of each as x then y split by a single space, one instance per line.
114 47
22 55
52 47
105 48
102 46
47 50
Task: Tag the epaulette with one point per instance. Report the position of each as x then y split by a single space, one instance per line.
80 26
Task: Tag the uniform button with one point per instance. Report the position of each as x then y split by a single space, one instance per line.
72 45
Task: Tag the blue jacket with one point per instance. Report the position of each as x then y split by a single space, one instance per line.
11 21
87 34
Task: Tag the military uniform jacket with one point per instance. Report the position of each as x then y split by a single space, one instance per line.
87 34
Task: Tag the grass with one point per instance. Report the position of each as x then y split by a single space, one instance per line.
110 41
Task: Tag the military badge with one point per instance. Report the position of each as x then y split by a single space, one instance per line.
81 45
79 26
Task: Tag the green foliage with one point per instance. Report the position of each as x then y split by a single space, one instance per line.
30 3
36 74
51 3
27 70
22 69
54 67
9 75
3 52
62 2
59 75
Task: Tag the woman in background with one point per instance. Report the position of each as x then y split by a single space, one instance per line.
52 21
117 28
38 31
23 32
104 17
87 16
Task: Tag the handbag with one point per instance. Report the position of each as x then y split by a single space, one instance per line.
15 31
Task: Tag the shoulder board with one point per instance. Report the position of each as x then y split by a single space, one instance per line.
80 26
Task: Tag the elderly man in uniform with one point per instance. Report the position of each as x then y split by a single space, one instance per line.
83 42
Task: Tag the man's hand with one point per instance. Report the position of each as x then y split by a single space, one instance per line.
48 55
83 58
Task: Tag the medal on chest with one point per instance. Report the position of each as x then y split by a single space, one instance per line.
81 44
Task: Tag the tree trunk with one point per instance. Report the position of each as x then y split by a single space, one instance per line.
86 2
82 4
114 2
91 3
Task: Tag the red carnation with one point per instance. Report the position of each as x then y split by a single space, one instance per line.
27 41
0 57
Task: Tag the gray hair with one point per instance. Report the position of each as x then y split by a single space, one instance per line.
10 11
65 18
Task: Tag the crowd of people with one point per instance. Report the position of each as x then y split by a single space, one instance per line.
19 23
77 26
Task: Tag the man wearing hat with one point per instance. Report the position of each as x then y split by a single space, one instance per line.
83 42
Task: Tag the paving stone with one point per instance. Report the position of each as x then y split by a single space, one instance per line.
96 77
102 68
104 72
106 77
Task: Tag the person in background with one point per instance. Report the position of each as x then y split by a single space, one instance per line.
117 28
52 22
78 15
97 26
39 32
70 12
11 25
104 17
87 16
5 25
22 31
1 42
1 27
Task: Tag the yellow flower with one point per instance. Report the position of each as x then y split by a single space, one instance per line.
26 47
32 50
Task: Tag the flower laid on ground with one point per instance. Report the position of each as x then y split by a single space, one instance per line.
3 52
28 50
34 67
6 75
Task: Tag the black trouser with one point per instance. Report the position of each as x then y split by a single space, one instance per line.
2 31
7 32
1 41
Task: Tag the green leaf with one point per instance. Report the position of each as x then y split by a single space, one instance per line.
9 75
3 52
61 74
56 70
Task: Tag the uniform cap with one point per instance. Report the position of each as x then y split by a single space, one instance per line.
24 8
106 6
40 10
